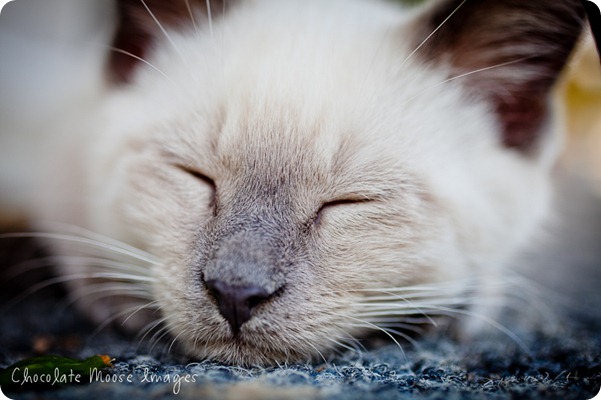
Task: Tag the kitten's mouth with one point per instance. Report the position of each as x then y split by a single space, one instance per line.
271 336
247 349
238 325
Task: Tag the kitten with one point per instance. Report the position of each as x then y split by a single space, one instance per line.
295 174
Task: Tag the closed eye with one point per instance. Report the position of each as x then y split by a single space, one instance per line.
204 179
338 203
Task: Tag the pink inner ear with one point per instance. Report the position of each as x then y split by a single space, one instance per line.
521 123
518 48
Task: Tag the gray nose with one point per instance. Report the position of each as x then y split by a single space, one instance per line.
235 303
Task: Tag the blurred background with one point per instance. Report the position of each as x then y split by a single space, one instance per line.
51 58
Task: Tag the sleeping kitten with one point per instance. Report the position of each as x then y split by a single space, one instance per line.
293 174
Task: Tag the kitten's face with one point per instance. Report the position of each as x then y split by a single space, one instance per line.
298 162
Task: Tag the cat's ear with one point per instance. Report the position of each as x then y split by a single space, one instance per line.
512 52
141 22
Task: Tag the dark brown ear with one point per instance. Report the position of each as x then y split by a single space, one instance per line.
137 28
517 47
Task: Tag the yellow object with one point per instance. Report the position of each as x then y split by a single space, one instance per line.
581 94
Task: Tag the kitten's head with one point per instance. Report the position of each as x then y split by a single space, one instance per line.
301 169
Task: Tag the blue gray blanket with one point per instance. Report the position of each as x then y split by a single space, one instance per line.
562 365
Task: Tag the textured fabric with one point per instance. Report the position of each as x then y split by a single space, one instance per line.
562 365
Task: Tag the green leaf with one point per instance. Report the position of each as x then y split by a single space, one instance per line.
49 371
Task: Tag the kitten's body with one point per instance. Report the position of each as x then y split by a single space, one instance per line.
312 153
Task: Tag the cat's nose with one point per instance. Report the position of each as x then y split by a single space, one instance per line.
235 303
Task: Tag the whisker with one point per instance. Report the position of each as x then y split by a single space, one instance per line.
433 287
418 302
348 338
197 337
149 327
61 227
336 349
210 15
536 294
66 228
16 270
416 288
164 31
370 69
109 289
192 15
405 299
27 266
432 311
375 327
156 338
164 330
432 34
124 276
344 346
408 305
175 339
386 329
151 305
123 250
72 277
136 308
103 264
317 350
127 53
106 265
397 324
440 310
466 74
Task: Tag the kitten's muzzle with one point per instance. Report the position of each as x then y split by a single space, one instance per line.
243 273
